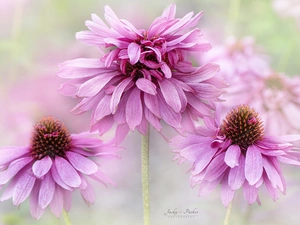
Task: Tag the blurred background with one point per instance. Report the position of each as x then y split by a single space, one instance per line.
37 35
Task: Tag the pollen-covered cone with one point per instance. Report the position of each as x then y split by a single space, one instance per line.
54 165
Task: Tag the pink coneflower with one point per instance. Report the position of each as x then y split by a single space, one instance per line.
236 154
53 166
251 81
145 78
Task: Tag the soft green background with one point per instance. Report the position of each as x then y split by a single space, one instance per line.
37 35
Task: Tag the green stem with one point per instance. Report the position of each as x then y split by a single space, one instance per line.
228 213
66 217
145 178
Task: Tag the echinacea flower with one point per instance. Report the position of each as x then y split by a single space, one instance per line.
275 96
236 154
145 78
54 165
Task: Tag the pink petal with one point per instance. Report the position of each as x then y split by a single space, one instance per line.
134 52
146 85
216 168
153 120
134 109
152 104
272 174
166 70
67 199
226 193
168 114
170 94
9 154
56 177
232 155
67 172
250 193
94 85
116 96
23 188
103 108
81 163
121 132
253 165
13 169
46 192
56 205
35 209
41 167
88 194
206 187
236 176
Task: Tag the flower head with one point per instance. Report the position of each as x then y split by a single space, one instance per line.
251 81
236 154
145 77
54 165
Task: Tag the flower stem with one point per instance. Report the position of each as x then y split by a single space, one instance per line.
228 213
66 217
145 178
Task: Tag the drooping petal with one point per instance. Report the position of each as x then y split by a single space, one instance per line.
236 176
35 208
88 194
253 165
41 167
232 156
23 188
13 169
67 172
46 191
170 94
216 168
82 163
56 205
9 154
134 109
250 192
227 193
116 96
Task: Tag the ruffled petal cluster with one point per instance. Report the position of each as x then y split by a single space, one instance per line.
145 78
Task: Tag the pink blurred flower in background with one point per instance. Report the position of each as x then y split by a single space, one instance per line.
145 77
236 154
288 8
54 165
253 82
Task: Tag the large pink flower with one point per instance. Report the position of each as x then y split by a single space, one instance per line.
236 154
145 78
53 166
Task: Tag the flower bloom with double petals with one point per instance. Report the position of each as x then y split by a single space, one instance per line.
54 165
145 77
236 154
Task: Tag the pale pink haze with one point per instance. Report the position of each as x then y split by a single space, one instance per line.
52 167
252 81
236 154
145 77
